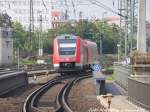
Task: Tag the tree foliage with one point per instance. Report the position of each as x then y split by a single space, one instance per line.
5 20
94 31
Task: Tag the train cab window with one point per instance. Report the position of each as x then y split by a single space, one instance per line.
67 41
67 46
67 51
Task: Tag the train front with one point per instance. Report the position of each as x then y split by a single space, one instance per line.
66 55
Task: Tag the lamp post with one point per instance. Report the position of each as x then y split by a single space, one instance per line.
118 46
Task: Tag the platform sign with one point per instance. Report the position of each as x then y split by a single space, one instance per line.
96 67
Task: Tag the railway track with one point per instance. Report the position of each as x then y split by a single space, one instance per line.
20 78
31 69
27 68
61 104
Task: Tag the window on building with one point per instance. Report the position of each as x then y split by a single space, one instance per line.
7 44
4 34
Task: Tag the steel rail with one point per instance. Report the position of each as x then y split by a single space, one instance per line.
62 103
31 101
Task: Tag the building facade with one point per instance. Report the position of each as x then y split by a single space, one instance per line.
6 46
19 10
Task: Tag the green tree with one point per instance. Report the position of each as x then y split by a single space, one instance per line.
19 36
109 34
94 30
5 20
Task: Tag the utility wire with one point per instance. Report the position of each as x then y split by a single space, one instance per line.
44 5
74 9
95 2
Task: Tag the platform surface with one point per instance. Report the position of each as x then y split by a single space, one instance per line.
119 102
98 75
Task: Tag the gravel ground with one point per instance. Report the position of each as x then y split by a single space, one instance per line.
48 99
13 101
82 97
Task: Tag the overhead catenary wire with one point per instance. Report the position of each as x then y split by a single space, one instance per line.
98 3
44 5
74 9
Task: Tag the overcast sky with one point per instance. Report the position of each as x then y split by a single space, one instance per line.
90 10
93 10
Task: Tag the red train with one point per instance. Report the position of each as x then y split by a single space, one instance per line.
72 53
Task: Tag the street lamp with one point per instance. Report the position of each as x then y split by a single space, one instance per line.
118 46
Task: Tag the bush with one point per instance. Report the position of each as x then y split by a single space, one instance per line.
108 71
106 60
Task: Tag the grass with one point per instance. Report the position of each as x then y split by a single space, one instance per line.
25 62
110 77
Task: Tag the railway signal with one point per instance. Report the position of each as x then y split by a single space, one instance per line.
96 67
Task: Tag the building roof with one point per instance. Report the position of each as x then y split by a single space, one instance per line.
55 13
112 18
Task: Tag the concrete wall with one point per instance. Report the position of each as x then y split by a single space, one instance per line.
9 82
122 72
139 91
138 87
6 46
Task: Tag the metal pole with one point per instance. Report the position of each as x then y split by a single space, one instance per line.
126 28
118 45
126 38
18 58
30 28
132 24
40 38
39 44
31 25
120 8
101 46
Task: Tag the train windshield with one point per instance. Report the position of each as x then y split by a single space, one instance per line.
67 46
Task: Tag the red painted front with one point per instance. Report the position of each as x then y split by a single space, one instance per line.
78 50
89 56
55 52
76 58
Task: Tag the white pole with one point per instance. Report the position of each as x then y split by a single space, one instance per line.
141 34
